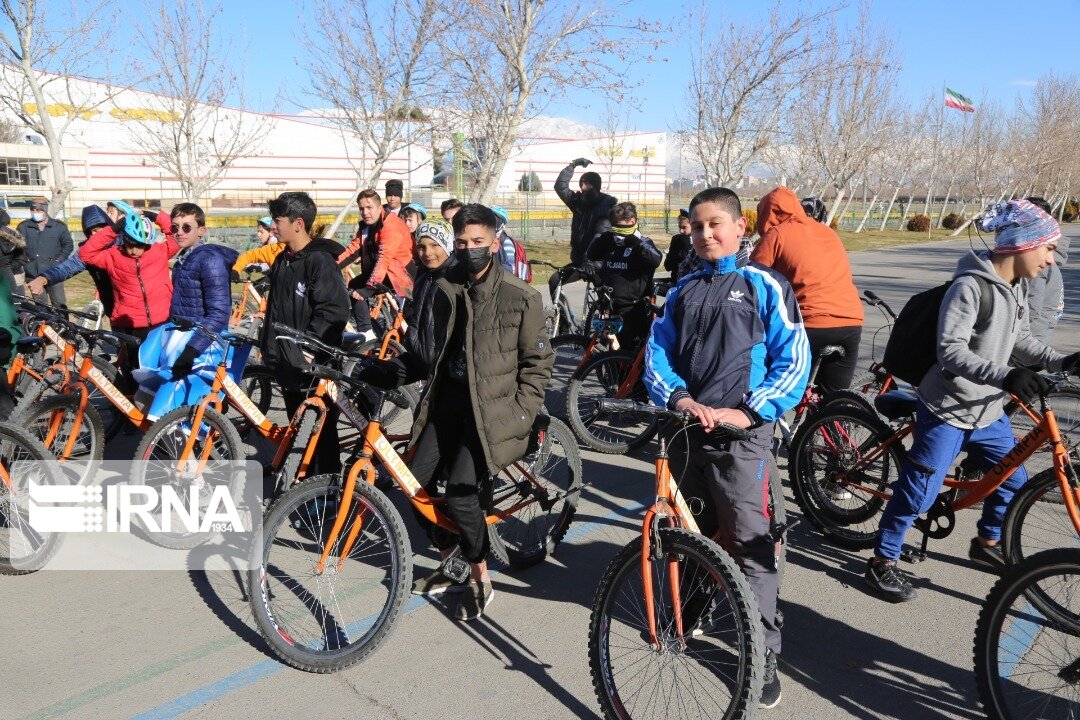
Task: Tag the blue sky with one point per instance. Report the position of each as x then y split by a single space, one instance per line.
990 47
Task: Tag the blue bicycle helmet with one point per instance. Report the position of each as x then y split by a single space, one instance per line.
140 230
500 211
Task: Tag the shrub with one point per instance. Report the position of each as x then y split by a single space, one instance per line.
1072 211
751 221
952 221
919 223
835 224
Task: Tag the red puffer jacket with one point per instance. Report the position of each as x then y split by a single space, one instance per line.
385 256
142 287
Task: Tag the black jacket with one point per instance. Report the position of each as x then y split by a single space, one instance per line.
589 219
45 247
308 293
626 265
681 246
420 339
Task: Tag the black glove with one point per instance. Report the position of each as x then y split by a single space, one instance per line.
252 268
150 215
582 162
234 276
366 292
1026 384
183 365
118 226
1071 364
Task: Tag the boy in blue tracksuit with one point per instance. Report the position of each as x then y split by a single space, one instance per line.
730 348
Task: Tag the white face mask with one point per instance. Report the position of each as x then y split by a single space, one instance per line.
37 216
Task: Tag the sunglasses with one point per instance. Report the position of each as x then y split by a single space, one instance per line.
185 228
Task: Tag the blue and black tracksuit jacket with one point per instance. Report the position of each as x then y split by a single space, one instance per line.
731 336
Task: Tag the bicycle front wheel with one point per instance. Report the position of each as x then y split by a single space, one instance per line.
1026 663
52 421
713 669
569 350
550 480
617 432
327 621
23 459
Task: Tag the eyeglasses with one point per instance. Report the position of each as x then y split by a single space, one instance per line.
185 228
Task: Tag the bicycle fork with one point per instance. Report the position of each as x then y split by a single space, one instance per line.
652 551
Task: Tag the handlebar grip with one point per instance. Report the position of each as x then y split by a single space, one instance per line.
182 323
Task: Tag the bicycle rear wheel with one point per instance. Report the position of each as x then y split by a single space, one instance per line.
1027 664
553 480
713 670
57 414
23 459
608 432
841 502
328 621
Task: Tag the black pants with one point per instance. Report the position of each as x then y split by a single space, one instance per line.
361 314
448 451
731 484
636 326
836 374
125 381
294 390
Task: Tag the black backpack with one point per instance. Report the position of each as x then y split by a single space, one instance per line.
912 347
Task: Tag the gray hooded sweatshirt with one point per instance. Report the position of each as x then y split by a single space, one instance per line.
964 388
1046 294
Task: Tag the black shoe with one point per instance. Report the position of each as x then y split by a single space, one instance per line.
986 557
770 690
887 582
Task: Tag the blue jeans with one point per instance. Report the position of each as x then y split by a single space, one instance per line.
936 446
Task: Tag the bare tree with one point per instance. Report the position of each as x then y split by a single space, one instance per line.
610 141
191 135
10 132
507 58
846 118
39 86
743 80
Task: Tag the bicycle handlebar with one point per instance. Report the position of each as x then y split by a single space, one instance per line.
291 334
52 310
871 298
620 405
231 339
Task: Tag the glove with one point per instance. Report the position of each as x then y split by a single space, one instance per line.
184 364
234 277
119 225
150 215
1026 384
582 162
1071 364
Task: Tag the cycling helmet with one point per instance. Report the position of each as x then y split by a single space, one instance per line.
438 230
418 208
814 208
93 217
501 213
267 222
140 230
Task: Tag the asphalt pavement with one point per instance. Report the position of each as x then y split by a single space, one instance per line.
165 645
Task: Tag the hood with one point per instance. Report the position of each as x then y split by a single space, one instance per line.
1061 253
226 253
322 245
978 263
778 207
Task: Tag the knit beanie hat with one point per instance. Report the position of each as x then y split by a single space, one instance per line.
394 187
438 230
1019 226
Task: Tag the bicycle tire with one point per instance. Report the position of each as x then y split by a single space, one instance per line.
397 420
16 445
568 350
163 443
112 418
1006 636
1033 525
620 593
531 534
601 377
292 523
824 446
89 448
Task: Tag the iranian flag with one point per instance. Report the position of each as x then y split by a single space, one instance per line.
956 101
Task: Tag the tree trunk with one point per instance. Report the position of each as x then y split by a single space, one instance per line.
59 186
847 205
892 201
866 215
944 206
907 207
929 194
836 203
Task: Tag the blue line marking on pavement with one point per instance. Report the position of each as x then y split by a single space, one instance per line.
1028 622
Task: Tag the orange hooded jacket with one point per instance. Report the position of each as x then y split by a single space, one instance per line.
388 257
812 258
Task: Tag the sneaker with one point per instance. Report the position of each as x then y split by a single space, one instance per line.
887 581
435 583
770 689
476 600
986 557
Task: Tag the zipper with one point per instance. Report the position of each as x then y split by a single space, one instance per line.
142 287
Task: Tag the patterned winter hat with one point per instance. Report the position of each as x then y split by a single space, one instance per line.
438 230
1020 226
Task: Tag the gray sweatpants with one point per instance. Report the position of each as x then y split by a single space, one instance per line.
731 482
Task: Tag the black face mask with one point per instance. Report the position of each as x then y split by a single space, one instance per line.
589 196
473 259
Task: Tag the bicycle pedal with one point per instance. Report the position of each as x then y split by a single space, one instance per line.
912 555
456 568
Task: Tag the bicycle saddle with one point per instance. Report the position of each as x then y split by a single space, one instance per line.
896 404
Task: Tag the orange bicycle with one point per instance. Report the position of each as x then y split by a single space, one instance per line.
847 458
673 613
336 560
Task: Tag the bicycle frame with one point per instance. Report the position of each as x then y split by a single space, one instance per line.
377 446
249 298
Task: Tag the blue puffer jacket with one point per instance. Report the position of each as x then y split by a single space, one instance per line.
201 289
731 336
